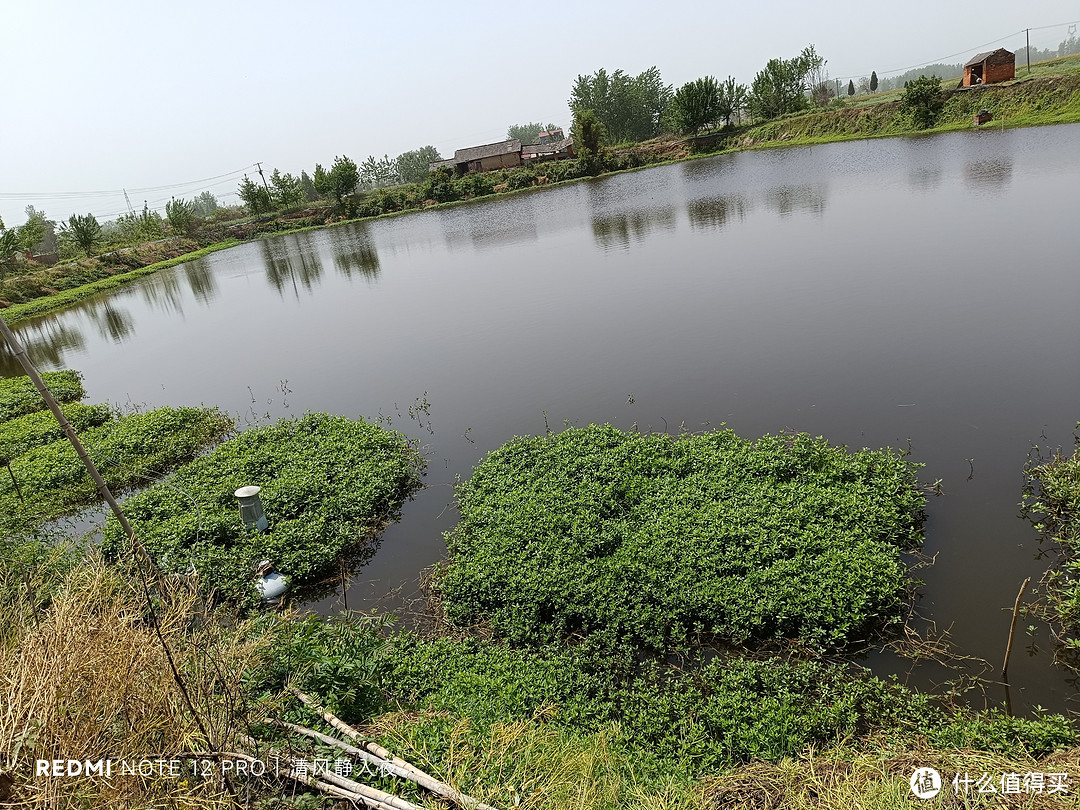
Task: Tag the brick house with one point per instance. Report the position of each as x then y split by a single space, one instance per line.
989 67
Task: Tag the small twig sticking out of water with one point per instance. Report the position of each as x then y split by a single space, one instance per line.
630 398
547 429
285 390
665 425
971 463
1012 628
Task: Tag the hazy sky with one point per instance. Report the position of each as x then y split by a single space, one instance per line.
109 95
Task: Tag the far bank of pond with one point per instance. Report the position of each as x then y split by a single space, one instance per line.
1027 102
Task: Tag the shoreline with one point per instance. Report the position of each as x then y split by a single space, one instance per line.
780 133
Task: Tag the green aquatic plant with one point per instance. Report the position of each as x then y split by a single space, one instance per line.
329 486
653 541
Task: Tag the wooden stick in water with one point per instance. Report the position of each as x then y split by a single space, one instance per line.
1012 629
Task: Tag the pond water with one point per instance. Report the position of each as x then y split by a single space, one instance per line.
905 292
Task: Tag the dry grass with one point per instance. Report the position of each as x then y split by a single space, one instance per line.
879 780
86 678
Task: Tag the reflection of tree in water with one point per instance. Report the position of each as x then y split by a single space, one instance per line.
111 322
354 250
995 173
618 230
46 341
715 212
292 259
162 291
785 200
201 280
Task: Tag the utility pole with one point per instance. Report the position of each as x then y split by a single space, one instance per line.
127 199
263 176
1027 49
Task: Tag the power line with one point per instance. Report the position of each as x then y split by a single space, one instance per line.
64 195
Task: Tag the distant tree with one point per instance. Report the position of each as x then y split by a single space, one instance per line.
733 99
83 231
33 232
309 187
780 88
528 133
631 108
254 196
589 136
145 226
414 166
342 179
321 181
873 81
286 190
850 87
10 247
696 105
182 216
378 172
206 204
923 99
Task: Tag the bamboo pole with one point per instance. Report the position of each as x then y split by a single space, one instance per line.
372 797
1012 628
384 765
420 777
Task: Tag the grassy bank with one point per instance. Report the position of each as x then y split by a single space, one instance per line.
110 280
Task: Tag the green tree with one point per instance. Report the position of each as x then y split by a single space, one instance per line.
145 226
182 216
873 81
379 173
10 247
851 87
733 97
696 105
922 98
82 231
286 190
414 166
528 133
255 197
780 88
341 180
309 187
206 204
34 230
589 136
631 108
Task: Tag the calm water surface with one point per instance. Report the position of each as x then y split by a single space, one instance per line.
903 292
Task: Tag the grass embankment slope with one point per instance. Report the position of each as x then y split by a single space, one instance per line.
1025 102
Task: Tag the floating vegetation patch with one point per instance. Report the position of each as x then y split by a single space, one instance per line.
128 451
329 486
652 541
24 433
18 396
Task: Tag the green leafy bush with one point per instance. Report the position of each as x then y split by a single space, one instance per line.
923 100
329 485
692 720
997 731
649 541
128 451
19 435
18 396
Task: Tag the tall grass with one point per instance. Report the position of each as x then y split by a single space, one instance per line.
86 677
